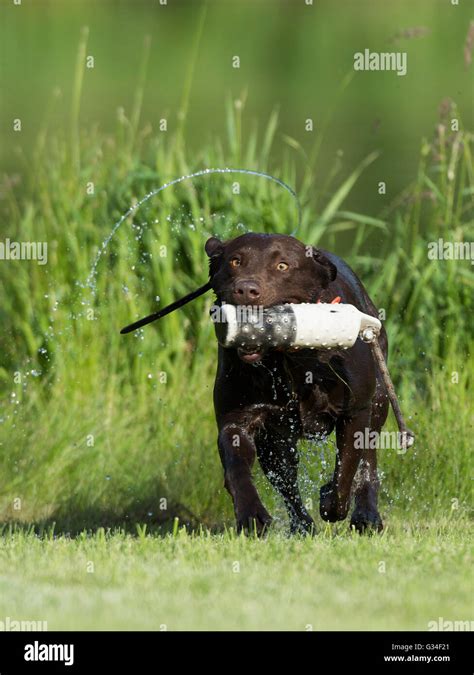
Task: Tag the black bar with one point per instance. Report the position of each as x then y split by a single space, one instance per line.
394 652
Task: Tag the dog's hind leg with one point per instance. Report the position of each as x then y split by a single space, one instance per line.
278 458
366 484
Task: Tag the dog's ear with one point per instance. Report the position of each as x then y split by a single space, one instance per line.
326 270
214 248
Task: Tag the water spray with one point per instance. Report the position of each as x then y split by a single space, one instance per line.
203 172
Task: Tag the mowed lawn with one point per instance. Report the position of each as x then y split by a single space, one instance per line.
412 574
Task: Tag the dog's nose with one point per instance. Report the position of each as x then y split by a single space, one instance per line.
246 291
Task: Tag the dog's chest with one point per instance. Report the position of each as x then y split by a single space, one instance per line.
302 386
319 390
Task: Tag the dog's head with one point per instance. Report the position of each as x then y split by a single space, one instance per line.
265 270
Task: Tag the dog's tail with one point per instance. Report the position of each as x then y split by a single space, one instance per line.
167 310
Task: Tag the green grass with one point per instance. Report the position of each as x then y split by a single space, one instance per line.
413 574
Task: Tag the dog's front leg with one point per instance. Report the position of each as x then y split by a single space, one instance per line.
237 451
335 496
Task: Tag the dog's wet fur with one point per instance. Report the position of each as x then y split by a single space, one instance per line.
266 400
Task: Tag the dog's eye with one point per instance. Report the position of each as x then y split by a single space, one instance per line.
282 266
235 262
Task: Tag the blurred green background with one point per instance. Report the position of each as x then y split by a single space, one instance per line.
292 55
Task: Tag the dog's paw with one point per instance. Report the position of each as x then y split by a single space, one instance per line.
330 507
253 519
366 519
302 526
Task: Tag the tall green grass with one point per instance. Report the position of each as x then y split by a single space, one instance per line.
97 427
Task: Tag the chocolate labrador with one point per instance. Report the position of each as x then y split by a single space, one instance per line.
266 400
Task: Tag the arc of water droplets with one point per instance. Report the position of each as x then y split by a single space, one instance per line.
202 172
